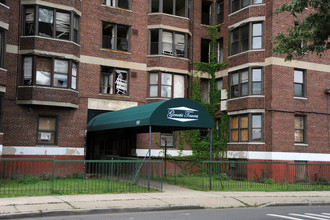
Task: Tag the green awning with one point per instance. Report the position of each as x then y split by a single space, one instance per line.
172 114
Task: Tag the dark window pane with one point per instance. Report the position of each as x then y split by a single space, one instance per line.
108 36
46 22
234 5
154 44
155 6
180 9
123 4
168 7
298 90
29 21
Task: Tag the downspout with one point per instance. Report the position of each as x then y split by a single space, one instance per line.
327 92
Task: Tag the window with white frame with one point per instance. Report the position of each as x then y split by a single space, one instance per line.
247 37
166 85
50 22
125 4
246 128
246 82
239 4
174 7
52 72
115 36
47 130
219 52
299 83
299 129
114 81
169 43
2 47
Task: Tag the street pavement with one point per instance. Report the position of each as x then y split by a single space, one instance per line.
172 198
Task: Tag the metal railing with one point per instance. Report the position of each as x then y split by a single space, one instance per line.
257 176
23 177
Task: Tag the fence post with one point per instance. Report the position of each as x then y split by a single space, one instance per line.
53 175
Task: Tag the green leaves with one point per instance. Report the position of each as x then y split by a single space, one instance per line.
309 35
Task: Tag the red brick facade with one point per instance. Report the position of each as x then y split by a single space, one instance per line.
23 105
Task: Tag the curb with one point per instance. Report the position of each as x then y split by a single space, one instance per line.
95 211
296 204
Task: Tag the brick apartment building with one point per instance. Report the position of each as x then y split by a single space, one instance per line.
62 62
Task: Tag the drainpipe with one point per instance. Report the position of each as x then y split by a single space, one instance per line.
327 92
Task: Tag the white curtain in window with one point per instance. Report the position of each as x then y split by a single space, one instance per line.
45 15
62 24
167 43
178 86
27 68
29 15
74 76
61 66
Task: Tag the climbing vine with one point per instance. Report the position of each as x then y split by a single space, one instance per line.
199 140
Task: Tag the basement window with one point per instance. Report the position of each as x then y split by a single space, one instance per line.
47 130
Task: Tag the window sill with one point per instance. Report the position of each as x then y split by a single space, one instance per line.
300 98
4 5
244 97
4 70
301 145
249 143
114 96
115 51
157 98
117 8
248 51
162 55
50 38
48 87
250 6
176 16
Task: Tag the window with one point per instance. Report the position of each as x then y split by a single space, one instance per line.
299 87
53 23
167 139
115 36
206 12
173 7
240 38
205 50
299 129
220 50
246 82
166 85
220 11
126 4
49 72
219 83
114 81
1 109
205 90
3 1
239 4
2 47
47 130
168 43
245 128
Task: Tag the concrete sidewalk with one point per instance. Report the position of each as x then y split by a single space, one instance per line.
173 198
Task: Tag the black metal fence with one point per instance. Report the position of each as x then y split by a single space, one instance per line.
48 176
239 175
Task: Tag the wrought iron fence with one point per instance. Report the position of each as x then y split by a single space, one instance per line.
257 176
20 177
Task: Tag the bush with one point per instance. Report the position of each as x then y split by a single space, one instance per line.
268 181
324 181
27 179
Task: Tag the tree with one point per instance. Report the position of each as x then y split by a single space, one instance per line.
309 35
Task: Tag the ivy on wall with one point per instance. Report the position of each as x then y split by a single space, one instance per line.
199 141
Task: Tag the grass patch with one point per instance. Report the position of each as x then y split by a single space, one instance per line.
202 183
39 186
